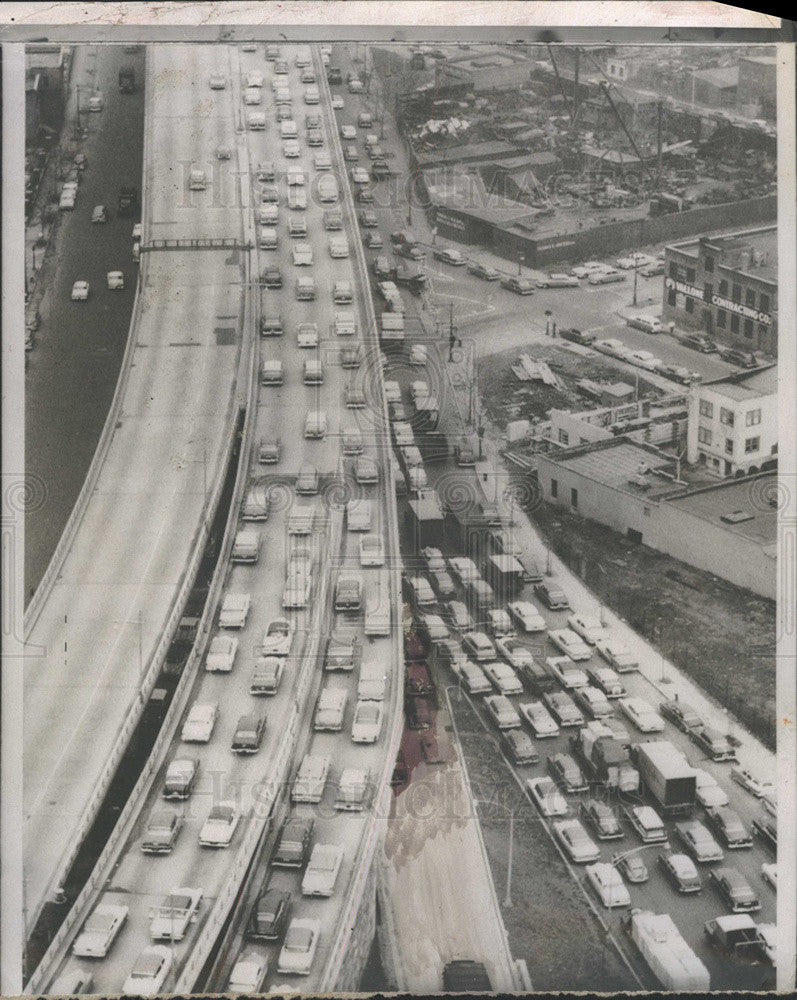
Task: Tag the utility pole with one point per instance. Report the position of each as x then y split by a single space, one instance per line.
508 895
636 269
452 333
658 145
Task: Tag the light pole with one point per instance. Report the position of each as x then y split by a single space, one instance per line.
508 894
520 261
636 271
548 315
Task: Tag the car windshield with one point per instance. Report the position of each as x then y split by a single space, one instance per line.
147 967
160 822
98 923
368 713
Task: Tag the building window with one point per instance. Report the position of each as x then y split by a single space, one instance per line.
749 297
726 416
723 287
564 437
734 322
689 305
721 319
764 300
704 435
748 329
709 264
751 445
706 409
554 487
673 270
690 275
763 333
774 449
728 446
752 417
736 295
708 292
574 495
671 297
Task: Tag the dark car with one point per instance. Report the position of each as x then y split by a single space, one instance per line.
369 220
483 271
698 342
270 915
735 890
411 252
442 583
631 866
419 713
373 241
681 871
576 336
294 842
519 747
163 828
728 824
419 680
381 267
679 374
397 411
271 277
683 715
521 286
535 677
401 773
566 773
715 744
380 169
744 359
551 594
248 734
602 819
466 976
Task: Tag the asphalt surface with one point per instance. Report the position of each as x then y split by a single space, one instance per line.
108 607
72 373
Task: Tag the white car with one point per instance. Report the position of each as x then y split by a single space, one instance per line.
199 724
566 672
708 792
278 637
434 627
433 557
650 324
367 724
769 935
248 974
338 102
218 81
219 827
527 616
322 870
348 132
769 873
471 676
223 152
588 268
115 280
546 796
372 550
458 615
755 784
80 291
268 215
392 391
402 433
608 884
234 610
330 710
149 971
298 949
419 390
502 711
593 700
569 643
607 680
503 677
500 622
221 655
479 645
464 569
302 255
644 359
291 149
589 627
359 175
175 913
308 786
575 840
539 718
100 930
613 347
617 655
642 715
418 356
252 96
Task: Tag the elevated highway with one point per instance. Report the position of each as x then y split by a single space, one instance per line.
107 599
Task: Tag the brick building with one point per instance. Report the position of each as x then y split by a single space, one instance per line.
726 286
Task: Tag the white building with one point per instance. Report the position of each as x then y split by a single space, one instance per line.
733 423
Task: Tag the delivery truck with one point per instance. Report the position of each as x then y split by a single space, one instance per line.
605 760
667 776
671 960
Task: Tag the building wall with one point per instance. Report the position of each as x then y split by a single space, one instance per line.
665 528
757 85
713 454
689 291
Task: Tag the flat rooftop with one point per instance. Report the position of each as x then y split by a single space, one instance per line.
748 496
753 251
466 193
613 462
746 385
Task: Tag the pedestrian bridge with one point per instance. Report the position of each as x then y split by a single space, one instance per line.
224 243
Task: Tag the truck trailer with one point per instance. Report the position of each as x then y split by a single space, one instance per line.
670 958
666 774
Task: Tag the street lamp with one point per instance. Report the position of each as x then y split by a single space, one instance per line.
548 315
520 261
508 894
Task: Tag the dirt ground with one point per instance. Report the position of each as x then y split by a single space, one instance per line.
508 398
721 636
